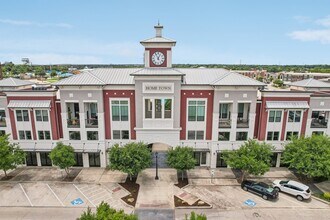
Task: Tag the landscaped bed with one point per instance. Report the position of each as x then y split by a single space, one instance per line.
182 182
133 188
199 203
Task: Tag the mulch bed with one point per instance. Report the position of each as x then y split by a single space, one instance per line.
182 182
133 188
73 173
180 203
5 178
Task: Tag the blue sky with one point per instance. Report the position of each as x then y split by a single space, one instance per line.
214 31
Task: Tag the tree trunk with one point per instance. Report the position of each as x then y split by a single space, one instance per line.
67 171
182 175
243 176
5 172
130 177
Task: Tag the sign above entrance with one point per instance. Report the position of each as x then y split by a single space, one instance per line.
158 87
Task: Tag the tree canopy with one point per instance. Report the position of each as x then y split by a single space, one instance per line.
309 156
181 158
131 158
63 156
252 157
105 212
10 154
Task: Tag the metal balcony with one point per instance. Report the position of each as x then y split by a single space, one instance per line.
242 123
73 123
224 123
319 123
92 123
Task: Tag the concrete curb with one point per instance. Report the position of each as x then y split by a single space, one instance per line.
194 207
321 200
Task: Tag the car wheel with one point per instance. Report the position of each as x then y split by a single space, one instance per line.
300 198
277 188
264 197
245 188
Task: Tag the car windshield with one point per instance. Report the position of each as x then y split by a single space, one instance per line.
270 189
284 182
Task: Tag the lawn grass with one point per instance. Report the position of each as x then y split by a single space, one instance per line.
52 80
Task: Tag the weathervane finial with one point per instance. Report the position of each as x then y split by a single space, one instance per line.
158 22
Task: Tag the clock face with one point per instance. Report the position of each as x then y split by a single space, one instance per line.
158 58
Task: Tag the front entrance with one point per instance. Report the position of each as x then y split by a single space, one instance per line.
45 160
31 158
160 150
79 159
200 158
220 162
94 159
161 160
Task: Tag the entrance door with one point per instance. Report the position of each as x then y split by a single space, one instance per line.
45 160
200 158
161 160
94 159
273 159
31 158
79 159
220 162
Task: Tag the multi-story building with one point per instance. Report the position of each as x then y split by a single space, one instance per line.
210 110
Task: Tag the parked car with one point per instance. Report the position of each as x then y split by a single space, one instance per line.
299 190
262 189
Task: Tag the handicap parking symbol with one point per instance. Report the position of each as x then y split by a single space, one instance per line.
249 202
78 201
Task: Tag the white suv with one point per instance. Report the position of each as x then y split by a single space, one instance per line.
299 190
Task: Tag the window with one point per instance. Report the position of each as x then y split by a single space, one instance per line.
44 135
224 136
240 111
22 115
92 135
119 110
2 118
74 135
273 136
294 116
117 134
158 108
196 110
291 134
94 159
41 115
275 116
317 133
25 135
241 136
224 111
195 135
2 132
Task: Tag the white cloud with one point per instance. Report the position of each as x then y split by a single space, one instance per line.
322 36
36 24
302 19
324 21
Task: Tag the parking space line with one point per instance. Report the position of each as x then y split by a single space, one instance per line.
25 194
55 195
84 195
283 197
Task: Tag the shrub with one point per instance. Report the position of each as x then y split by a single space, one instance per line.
326 195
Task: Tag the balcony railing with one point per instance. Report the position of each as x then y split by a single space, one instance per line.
73 123
92 123
224 123
242 123
3 122
319 123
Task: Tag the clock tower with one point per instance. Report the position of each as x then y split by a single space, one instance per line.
158 50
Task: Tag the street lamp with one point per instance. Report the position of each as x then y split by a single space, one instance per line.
156 177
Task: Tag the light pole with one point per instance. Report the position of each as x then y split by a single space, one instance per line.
156 177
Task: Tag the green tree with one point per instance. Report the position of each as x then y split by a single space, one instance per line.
63 156
309 156
105 212
181 158
53 73
131 158
278 83
251 158
39 71
194 216
10 155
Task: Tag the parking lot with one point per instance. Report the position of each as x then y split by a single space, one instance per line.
233 197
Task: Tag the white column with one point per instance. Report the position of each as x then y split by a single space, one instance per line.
278 160
38 159
85 160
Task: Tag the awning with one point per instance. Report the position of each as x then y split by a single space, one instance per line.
287 105
29 104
